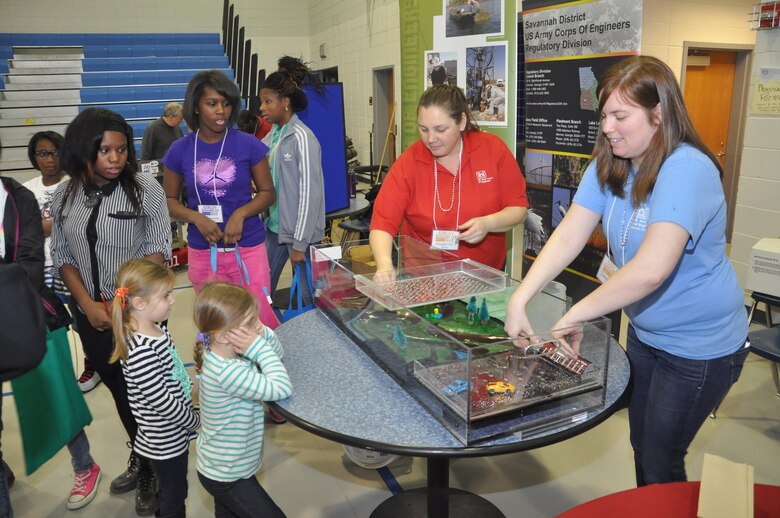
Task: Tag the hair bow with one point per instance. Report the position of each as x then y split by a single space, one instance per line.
121 294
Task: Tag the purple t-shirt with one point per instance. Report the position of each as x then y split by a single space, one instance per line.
229 185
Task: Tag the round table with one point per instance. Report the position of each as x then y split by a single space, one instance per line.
341 394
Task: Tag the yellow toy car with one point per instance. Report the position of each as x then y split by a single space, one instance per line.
500 387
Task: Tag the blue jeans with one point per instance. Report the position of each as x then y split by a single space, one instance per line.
79 453
278 255
243 498
670 399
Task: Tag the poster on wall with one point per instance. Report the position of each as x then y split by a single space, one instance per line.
473 17
486 80
441 68
568 47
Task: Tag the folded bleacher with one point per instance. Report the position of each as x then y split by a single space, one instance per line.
46 79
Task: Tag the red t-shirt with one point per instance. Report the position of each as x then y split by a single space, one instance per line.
263 127
491 181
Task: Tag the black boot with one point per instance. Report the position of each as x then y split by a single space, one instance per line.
128 480
146 502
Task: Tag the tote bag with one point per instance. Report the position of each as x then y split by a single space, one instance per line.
22 324
50 406
295 291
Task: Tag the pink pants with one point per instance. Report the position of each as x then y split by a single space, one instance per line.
256 260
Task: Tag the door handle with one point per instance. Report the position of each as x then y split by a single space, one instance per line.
721 154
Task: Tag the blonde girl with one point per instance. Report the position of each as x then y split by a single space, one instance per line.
239 363
158 387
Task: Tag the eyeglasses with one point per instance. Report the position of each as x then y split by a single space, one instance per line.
46 154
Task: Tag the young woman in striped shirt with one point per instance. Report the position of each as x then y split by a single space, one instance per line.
104 215
158 387
240 366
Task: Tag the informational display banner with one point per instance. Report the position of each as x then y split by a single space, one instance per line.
568 47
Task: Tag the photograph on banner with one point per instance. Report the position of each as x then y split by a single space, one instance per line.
441 68
473 17
486 83
537 226
567 170
538 168
561 200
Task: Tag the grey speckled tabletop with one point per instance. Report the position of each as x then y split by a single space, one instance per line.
342 394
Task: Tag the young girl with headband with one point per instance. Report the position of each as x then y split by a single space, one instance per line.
218 165
239 364
158 386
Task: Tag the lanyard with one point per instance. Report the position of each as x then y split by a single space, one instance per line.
625 228
213 173
243 272
437 199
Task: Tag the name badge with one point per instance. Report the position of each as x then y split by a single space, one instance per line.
445 239
213 212
606 269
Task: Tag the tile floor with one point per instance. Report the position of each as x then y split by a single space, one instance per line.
310 477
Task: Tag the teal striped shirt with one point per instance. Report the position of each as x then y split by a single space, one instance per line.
230 444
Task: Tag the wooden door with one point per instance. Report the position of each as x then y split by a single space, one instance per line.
708 93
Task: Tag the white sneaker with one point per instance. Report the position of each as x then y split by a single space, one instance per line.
89 379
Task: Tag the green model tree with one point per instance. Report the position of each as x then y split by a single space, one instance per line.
471 307
399 338
484 315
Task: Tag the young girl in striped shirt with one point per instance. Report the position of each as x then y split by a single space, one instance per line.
239 363
158 387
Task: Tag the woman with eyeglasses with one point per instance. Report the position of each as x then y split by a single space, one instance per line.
105 215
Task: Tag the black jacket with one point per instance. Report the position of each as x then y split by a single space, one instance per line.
22 207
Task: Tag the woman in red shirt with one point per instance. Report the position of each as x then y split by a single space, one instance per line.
457 188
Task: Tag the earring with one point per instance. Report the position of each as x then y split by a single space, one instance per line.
286 109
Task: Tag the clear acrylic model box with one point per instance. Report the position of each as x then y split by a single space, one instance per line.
437 328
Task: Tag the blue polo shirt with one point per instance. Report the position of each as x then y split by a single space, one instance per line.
698 312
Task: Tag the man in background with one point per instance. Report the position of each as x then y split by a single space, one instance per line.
160 134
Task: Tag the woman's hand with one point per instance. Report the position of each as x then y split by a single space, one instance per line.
234 228
569 333
297 257
516 323
384 275
208 229
97 315
243 337
474 230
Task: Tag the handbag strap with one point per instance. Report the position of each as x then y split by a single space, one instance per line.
295 288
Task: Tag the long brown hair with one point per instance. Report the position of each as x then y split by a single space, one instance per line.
135 278
219 307
646 82
449 98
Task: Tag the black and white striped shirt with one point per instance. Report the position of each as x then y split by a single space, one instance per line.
120 234
164 413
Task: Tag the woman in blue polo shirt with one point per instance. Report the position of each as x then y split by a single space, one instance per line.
657 191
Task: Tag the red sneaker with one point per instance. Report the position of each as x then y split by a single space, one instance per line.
276 417
85 486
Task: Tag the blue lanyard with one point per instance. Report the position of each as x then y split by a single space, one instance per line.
242 269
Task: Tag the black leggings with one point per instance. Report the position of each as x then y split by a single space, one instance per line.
98 346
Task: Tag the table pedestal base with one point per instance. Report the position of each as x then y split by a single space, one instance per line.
437 500
414 504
